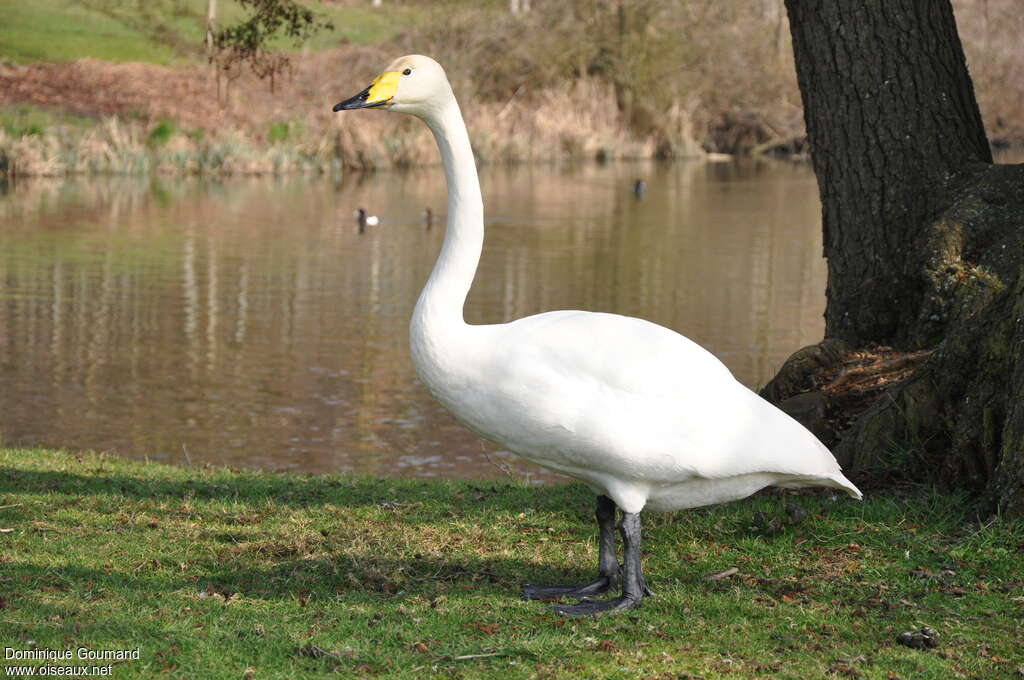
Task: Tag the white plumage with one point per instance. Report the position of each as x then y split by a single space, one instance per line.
639 413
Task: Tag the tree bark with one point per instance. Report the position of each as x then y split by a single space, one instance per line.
925 244
960 418
894 128
211 20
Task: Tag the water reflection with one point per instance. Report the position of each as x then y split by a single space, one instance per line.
247 322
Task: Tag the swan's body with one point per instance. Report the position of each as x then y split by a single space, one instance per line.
638 412
642 415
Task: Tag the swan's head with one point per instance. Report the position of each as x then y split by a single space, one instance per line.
411 84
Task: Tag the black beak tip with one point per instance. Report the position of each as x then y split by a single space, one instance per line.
357 102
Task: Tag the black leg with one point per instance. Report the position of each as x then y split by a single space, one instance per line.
607 566
633 585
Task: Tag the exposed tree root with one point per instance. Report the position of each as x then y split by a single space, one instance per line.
826 386
951 408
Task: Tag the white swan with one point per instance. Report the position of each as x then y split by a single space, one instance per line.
643 416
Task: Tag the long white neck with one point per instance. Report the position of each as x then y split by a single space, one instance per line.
439 308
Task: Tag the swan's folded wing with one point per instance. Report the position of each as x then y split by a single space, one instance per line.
620 352
626 396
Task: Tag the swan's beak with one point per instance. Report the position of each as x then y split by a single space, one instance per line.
380 93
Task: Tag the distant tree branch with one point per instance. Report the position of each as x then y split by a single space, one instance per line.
246 43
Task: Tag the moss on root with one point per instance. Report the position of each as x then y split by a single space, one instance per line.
957 418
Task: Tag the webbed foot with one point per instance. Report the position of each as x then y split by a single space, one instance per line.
597 587
595 607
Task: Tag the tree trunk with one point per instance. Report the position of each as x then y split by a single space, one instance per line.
211 20
925 245
894 128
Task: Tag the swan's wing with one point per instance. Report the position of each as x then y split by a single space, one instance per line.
623 395
619 352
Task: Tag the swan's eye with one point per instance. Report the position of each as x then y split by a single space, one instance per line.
406 71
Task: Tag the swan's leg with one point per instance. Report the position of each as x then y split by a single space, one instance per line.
633 585
607 564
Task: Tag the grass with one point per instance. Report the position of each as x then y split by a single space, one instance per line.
59 30
164 31
221 574
21 120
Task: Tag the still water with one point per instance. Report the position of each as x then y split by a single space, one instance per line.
248 323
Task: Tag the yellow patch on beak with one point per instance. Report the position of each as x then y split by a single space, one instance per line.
383 87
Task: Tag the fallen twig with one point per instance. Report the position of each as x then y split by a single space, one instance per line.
719 575
475 656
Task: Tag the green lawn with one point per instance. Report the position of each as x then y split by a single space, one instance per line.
216 574
58 30
162 31
26 119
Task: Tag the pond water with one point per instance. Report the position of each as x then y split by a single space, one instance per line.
248 323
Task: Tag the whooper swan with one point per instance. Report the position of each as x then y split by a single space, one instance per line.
643 416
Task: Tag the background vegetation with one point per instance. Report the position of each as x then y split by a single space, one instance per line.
579 79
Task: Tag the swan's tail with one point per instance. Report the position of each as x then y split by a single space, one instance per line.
833 480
